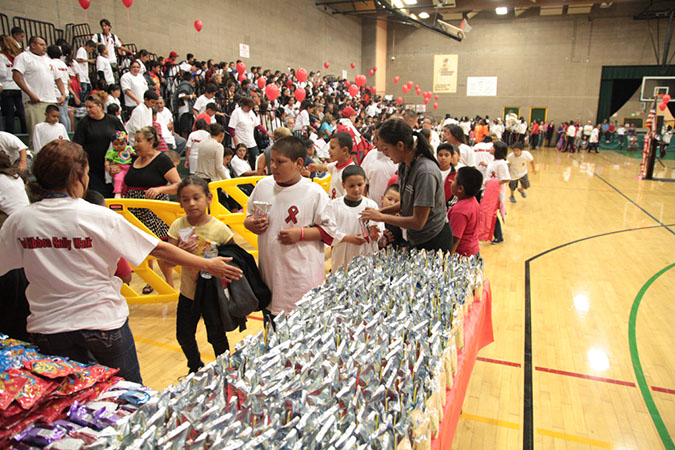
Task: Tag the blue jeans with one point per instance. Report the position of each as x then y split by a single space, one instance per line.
114 348
64 118
85 91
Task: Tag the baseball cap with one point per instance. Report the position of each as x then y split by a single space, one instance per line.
348 112
173 55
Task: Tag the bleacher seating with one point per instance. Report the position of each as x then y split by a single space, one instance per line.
46 30
4 24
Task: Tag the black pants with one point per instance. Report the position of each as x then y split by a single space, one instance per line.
187 318
253 153
498 235
534 140
12 105
15 308
442 241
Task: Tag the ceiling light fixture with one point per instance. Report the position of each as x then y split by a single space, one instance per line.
410 2
424 15
502 11
397 4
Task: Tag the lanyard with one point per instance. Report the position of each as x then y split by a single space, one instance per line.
57 195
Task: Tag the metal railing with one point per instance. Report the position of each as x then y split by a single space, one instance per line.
4 23
45 30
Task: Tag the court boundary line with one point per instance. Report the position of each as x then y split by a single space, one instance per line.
528 419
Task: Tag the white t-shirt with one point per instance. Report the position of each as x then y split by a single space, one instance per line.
103 65
12 194
45 133
621 131
39 74
239 166
466 127
193 144
83 66
435 140
302 120
62 73
594 138
141 117
11 145
346 220
111 41
202 101
465 156
481 153
379 169
112 100
291 270
497 170
164 118
571 131
588 129
136 84
69 249
6 75
243 125
336 190
518 164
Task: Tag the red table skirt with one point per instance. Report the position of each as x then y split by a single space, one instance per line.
477 334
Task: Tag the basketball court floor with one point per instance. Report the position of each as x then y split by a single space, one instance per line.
583 300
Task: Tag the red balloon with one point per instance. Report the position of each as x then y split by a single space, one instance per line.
353 90
241 67
242 77
410 84
665 98
198 25
375 69
85 4
128 3
347 83
326 65
663 106
300 94
418 92
352 65
399 100
405 89
426 101
289 83
396 78
261 82
371 72
301 74
435 105
272 91
436 97
361 80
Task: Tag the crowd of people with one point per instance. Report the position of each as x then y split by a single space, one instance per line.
398 179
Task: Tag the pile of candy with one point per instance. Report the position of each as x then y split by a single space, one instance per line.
48 401
363 362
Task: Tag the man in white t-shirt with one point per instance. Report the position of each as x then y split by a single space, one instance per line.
379 169
50 129
141 115
242 125
35 74
517 162
111 41
588 129
83 60
15 149
569 138
165 120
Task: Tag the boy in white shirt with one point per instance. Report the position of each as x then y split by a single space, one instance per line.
379 169
517 162
103 64
83 61
192 146
341 154
50 129
348 238
291 254
621 133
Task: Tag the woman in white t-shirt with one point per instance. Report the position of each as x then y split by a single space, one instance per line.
69 249
134 86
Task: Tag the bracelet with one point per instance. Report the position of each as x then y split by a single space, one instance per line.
302 233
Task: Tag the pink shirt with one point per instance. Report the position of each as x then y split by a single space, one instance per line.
464 223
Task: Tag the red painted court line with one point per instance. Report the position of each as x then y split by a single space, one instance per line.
664 390
498 361
255 318
585 377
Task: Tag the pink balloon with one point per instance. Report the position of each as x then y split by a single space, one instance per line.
405 89
261 82
198 25
417 86
371 72
426 101
272 91
665 98
326 65
361 80
396 78
301 74
85 4
410 84
375 69
347 83
128 3
353 90
663 106
399 100
300 94
418 91
435 105
352 65
242 77
241 67
436 97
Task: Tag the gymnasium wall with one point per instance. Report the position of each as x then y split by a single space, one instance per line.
552 62
279 32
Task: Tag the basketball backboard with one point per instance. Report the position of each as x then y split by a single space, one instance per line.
653 87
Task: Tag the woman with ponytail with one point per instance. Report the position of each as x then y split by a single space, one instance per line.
69 249
421 212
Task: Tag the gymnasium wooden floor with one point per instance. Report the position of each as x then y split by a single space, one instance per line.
583 291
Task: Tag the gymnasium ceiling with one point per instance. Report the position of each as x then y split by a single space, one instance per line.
446 16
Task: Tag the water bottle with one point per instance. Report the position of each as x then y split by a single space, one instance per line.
210 252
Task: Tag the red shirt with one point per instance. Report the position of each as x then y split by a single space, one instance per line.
464 223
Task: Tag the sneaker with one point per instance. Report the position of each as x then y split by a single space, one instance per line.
497 241
513 199
523 194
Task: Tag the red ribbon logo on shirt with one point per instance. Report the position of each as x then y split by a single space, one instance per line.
292 212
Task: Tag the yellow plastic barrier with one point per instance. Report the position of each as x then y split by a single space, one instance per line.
168 212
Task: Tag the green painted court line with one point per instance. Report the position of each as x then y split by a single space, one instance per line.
637 366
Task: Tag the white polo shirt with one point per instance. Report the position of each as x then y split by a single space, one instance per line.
39 74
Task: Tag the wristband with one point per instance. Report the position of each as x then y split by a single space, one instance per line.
302 233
